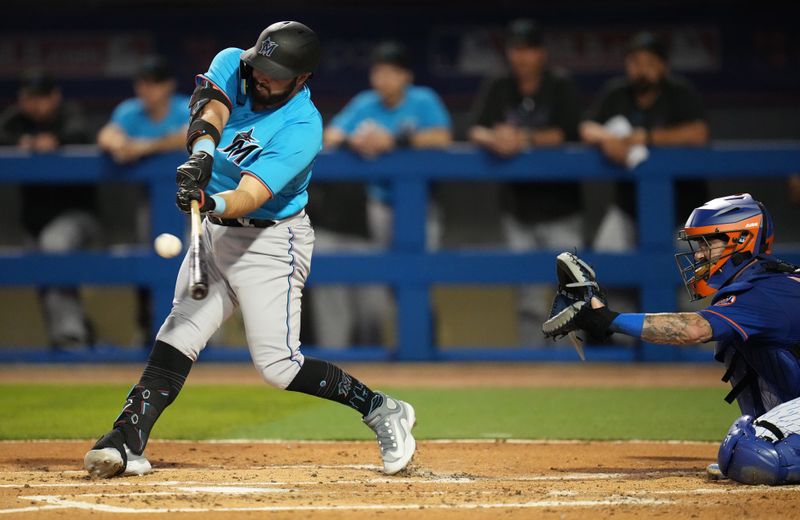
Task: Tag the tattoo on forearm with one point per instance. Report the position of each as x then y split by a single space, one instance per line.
683 328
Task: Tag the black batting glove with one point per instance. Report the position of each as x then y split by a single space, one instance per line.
189 192
196 171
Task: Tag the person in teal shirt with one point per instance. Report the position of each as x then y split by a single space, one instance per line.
254 134
395 113
152 122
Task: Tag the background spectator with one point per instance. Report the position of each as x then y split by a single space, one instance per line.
534 105
647 107
155 121
393 114
59 218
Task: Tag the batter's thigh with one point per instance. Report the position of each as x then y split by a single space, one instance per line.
268 280
192 322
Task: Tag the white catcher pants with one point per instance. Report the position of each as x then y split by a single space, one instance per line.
262 271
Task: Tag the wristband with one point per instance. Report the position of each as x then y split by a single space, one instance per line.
203 145
629 323
219 205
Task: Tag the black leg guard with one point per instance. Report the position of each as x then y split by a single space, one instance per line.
326 380
161 381
143 407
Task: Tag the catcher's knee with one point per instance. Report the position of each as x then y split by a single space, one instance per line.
749 459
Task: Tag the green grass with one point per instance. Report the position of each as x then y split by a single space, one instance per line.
225 412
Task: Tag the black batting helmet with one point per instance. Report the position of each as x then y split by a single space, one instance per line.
284 50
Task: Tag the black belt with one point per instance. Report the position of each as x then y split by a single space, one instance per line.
242 222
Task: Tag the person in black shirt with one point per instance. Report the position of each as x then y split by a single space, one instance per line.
661 110
534 106
60 217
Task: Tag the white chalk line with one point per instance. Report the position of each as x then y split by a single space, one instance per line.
380 480
725 490
191 488
58 502
363 441
31 509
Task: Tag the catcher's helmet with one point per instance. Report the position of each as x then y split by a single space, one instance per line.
284 50
741 222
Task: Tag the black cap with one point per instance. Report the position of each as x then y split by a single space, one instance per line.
524 32
155 68
37 82
647 41
391 53
284 50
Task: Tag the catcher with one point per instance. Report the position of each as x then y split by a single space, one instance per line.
752 317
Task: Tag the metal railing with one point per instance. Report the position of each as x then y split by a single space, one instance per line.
407 267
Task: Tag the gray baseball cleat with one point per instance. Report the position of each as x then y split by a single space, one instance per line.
110 457
392 422
714 473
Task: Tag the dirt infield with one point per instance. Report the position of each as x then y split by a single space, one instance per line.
451 480
463 480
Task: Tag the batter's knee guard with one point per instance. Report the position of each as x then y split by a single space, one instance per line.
749 459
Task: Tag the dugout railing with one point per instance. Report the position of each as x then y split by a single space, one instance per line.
407 268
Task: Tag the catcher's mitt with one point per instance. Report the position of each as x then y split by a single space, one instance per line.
572 309
577 278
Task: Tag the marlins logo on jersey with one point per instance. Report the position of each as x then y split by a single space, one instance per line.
242 146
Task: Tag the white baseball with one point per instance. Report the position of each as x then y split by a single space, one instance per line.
167 245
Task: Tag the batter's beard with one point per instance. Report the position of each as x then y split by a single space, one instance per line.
273 100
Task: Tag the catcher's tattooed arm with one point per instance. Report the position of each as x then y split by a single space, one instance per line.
676 328
669 328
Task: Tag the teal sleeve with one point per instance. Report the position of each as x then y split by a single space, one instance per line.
351 115
224 72
433 112
122 115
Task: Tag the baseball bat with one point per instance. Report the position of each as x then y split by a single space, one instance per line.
198 278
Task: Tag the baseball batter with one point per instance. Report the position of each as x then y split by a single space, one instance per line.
753 318
253 136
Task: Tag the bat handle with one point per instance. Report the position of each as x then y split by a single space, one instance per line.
198 283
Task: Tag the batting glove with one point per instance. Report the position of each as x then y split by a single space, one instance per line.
187 193
196 171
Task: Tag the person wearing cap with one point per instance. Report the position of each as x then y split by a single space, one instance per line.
56 218
254 135
658 109
41 121
393 114
534 106
153 122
